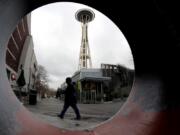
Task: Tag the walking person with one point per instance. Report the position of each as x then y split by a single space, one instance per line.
70 100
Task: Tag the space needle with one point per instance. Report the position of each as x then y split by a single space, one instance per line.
84 16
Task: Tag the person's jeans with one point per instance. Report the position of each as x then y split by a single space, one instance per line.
75 108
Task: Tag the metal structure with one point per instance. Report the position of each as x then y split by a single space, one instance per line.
153 106
85 16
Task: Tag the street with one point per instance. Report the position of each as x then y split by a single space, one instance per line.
92 114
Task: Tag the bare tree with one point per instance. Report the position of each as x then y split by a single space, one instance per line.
42 74
42 81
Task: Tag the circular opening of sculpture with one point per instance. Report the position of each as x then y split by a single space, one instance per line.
69 65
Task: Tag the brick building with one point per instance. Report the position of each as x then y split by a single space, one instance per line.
20 51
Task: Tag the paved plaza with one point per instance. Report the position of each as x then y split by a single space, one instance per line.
92 114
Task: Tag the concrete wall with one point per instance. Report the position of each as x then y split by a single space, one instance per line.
152 29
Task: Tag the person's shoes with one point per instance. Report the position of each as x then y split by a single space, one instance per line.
60 116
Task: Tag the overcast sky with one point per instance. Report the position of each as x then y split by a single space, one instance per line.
57 39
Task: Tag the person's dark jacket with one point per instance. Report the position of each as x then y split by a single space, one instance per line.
70 95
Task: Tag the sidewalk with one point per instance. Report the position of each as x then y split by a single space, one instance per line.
92 114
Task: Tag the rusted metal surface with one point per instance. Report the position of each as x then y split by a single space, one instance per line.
152 30
140 117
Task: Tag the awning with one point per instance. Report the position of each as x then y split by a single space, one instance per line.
89 78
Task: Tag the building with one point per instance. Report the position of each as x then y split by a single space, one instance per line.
121 80
105 84
89 83
20 51
108 83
